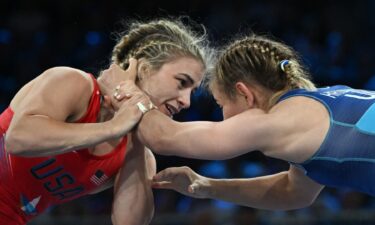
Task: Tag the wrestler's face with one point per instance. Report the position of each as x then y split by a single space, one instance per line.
230 107
170 87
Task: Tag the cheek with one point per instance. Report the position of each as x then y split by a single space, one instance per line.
155 91
161 95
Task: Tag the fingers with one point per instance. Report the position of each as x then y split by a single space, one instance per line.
116 94
162 185
112 77
193 188
139 100
165 175
132 70
130 73
125 89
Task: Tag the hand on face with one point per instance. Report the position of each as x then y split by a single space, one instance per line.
114 75
121 85
183 180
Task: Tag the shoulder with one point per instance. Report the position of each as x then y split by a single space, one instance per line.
298 106
58 92
72 81
67 74
300 125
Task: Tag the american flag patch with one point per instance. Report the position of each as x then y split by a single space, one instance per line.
99 177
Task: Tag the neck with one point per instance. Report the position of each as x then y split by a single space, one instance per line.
104 88
105 114
106 109
262 97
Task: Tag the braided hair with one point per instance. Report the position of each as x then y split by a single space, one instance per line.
260 60
158 42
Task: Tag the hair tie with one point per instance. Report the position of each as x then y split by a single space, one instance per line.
283 63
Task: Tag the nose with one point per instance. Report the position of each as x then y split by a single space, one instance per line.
184 99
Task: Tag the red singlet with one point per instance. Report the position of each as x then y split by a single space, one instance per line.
29 185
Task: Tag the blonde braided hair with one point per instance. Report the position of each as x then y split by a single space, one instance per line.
256 59
160 41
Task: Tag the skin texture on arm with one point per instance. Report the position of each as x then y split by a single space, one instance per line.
133 199
283 191
39 125
275 133
209 140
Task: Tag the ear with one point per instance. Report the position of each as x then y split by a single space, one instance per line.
143 69
243 90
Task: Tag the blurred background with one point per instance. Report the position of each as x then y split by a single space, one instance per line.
335 38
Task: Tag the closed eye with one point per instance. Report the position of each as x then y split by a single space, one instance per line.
182 83
185 80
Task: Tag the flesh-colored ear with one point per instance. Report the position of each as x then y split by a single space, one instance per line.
243 90
144 69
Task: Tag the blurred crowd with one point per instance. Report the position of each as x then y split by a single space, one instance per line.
335 39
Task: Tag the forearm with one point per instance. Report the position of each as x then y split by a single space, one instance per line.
188 139
154 129
40 135
133 206
204 139
269 192
133 201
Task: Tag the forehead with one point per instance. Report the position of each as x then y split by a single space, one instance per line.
185 65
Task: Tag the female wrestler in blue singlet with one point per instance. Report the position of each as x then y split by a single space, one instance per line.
269 104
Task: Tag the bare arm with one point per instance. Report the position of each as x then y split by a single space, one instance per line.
133 200
208 140
282 191
202 140
39 124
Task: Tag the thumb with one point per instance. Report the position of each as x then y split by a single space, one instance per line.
193 188
132 69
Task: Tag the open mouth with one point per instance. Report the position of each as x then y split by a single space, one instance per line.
172 110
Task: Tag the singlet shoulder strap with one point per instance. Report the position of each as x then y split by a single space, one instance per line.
94 105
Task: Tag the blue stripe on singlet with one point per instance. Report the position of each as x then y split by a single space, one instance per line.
367 121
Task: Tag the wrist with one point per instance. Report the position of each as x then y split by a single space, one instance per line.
211 192
207 187
111 128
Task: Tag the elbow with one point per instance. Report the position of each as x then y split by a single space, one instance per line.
298 205
12 145
300 202
15 144
307 202
305 198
